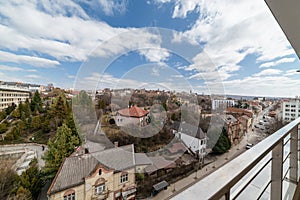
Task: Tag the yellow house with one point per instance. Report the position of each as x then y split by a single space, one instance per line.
108 174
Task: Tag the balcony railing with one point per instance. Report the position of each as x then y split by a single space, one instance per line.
269 170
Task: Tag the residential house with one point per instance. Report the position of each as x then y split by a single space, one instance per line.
193 137
108 174
236 112
233 127
246 123
133 115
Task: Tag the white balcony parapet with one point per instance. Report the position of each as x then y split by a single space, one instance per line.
279 151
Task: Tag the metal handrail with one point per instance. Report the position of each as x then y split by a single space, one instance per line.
219 183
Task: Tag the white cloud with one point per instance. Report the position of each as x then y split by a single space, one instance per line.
264 86
31 60
268 72
66 7
68 38
110 7
292 72
183 7
146 41
9 68
33 76
278 62
71 76
231 30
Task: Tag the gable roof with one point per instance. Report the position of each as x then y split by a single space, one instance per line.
189 129
239 110
72 172
133 111
119 158
75 168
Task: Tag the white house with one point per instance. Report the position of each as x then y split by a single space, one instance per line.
193 137
132 115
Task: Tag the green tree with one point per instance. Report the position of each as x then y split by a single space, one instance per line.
23 194
70 122
24 110
16 113
59 110
14 134
61 146
35 123
7 179
36 102
3 128
30 179
11 108
223 144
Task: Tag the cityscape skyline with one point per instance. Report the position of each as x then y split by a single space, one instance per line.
247 52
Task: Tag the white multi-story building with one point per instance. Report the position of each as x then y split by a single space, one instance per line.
222 103
291 109
10 95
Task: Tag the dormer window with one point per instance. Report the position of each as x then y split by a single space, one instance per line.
100 171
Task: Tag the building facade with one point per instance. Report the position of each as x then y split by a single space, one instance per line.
222 103
12 95
233 128
108 174
290 109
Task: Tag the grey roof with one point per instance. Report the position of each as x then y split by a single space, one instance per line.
76 167
142 159
119 158
73 171
191 130
228 118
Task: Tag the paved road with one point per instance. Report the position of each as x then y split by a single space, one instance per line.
30 146
250 137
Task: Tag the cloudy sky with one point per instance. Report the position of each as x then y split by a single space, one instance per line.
215 46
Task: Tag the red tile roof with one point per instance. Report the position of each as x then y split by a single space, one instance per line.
133 111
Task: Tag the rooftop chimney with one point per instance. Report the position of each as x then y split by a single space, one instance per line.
116 144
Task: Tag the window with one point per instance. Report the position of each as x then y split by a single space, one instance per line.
100 171
287 109
99 189
69 195
124 178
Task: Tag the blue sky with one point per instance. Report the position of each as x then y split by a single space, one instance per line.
228 46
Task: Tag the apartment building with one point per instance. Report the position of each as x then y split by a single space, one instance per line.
290 109
222 103
10 95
